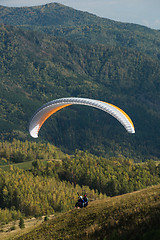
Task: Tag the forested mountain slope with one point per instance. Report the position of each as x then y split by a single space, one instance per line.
36 68
68 23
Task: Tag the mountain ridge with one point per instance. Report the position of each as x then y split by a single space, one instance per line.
57 6
66 22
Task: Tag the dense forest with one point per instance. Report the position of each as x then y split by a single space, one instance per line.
39 66
36 68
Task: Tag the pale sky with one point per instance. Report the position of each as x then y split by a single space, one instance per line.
143 12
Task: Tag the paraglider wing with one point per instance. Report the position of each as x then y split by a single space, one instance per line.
43 113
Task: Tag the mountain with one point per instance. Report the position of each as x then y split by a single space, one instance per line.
62 21
37 67
130 216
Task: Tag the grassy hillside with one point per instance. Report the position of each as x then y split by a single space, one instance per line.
130 216
36 68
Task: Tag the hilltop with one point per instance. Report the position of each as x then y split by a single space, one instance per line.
70 24
130 216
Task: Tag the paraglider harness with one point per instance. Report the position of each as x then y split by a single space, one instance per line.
82 201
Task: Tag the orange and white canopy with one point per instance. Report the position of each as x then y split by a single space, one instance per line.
43 113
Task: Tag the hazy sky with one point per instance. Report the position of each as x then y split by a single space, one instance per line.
143 12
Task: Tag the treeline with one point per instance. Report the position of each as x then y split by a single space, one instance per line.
22 193
113 176
18 151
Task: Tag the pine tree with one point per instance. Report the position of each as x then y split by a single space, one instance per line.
21 223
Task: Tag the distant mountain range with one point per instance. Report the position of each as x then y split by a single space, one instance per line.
54 51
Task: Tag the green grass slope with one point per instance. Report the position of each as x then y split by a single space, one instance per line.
130 216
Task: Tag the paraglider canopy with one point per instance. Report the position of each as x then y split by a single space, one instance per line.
43 113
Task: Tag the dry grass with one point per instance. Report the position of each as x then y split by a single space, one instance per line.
122 217
6 232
